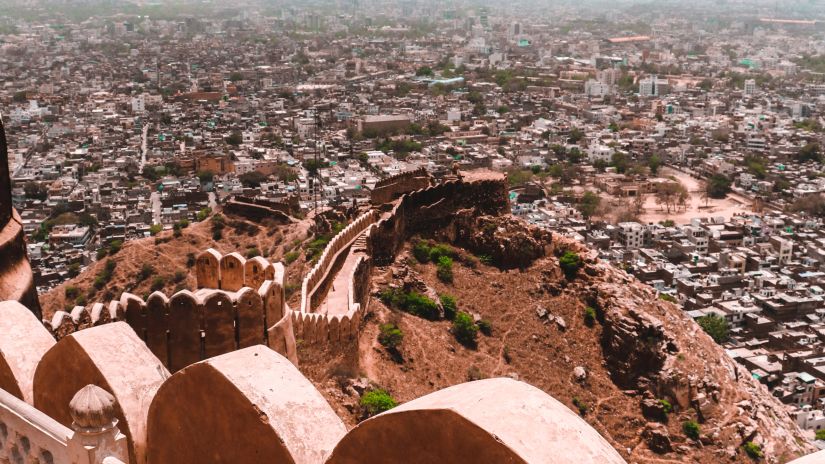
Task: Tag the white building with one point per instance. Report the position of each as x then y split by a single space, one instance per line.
653 87
750 87
594 88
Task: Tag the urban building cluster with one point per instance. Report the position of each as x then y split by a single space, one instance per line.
688 152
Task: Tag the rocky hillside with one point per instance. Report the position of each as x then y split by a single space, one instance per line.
635 367
165 262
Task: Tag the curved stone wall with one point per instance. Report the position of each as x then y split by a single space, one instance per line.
16 278
269 409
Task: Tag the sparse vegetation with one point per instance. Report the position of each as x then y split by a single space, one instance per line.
485 327
157 283
589 316
580 405
146 271
464 329
449 305
444 270
412 302
753 450
666 406
570 263
668 297
691 429
474 373
390 336
377 401
105 275
290 257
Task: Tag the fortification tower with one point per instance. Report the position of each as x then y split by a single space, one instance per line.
16 279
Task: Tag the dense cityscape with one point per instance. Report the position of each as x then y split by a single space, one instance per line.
686 147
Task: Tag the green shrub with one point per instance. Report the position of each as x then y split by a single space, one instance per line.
589 316
377 401
390 336
71 292
101 253
190 259
252 252
691 429
580 405
570 263
667 297
449 305
155 229
290 257
485 259
464 329
421 251
158 283
80 300
115 246
820 434
474 373
179 276
217 234
413 303
146 271
445 269
666 406
441 250
753 450
203 214
485 327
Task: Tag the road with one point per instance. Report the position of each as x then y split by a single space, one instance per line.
154 198
144 146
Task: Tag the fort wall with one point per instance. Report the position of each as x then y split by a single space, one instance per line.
258 209
321 270
387 190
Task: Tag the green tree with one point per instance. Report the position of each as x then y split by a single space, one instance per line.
753 450
235 138
654 163
715 326
424 71
619 161
206 176
718 186
252 179
810 152
589 204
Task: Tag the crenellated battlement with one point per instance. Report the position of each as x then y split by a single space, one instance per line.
390 188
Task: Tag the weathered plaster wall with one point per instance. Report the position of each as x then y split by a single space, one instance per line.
112 357
495 420
387 190
23 342
267 412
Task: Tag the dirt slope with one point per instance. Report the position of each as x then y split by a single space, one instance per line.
640 349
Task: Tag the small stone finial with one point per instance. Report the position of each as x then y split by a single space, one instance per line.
93 408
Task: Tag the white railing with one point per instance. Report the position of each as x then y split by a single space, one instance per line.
28 436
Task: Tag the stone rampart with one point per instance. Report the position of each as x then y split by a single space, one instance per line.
189 327
257 209
336 246
387 190
430 208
